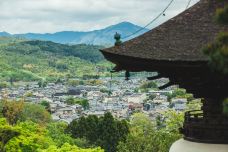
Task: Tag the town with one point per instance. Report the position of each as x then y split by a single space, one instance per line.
120 97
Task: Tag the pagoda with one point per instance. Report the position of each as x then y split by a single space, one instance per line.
174 50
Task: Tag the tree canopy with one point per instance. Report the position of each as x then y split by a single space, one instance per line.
105 131
31 137
23 60
145 136
218 50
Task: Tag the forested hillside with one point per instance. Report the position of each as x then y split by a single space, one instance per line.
26 60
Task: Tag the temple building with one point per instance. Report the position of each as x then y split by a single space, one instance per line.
174 50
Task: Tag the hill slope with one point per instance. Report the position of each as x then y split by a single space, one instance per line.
33 60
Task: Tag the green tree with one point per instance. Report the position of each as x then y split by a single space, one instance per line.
218 53
56 131
3 85
111 132
152 97
12 79
222 15
89 129
147 137
31 137
46 105
12 110
27 137
70 148
35 113
6 134
180 93
83 102
42 83
167 135
105 132
218 50
141 136
148 85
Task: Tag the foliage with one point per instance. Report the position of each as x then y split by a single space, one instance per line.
83 102
1 107
105 131
225 106
194 105
12 110
222 15
46 105
87 131
147 85
88 77
218 50
3 85
103 90
111 132
31 137
145 137
23 60
69 148
75 82
35 113
179 93
218 53
94 82
6 133
42 83
83 51
152 97
56 131
29 94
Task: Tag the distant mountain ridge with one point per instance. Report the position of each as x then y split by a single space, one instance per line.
5 34
96 37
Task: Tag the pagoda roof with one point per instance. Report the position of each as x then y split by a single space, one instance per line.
179 39
174 50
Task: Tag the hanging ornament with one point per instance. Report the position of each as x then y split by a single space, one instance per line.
127 75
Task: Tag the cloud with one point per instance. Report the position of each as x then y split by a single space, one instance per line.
21 16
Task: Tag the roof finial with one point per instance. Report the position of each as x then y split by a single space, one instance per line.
117 37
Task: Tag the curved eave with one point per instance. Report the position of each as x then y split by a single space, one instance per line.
195 76
135 64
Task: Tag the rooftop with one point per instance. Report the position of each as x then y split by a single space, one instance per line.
179 39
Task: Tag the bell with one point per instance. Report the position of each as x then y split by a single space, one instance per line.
127 75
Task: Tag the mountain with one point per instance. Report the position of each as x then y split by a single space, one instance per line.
4 34
97 37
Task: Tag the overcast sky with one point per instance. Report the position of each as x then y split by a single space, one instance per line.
42 16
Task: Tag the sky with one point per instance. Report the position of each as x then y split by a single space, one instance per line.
49 16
